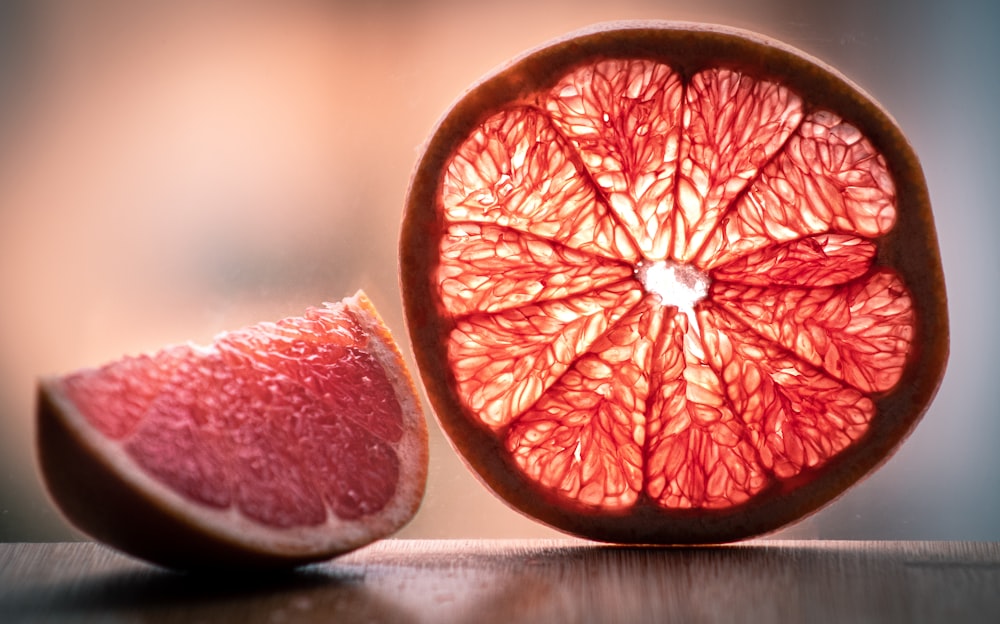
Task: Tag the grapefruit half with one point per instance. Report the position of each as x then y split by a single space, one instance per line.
672 283
277 445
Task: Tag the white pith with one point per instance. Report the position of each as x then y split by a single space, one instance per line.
675 284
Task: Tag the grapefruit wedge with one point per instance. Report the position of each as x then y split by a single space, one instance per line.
277 445
672 283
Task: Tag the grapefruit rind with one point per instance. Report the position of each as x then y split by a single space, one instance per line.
102 490
906 246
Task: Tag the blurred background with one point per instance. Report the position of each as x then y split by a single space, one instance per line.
170 170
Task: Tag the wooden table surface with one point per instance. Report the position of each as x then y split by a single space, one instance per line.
486 581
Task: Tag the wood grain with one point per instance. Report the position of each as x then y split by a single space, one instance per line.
487 581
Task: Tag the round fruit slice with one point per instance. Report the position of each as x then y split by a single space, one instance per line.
672 283
277 445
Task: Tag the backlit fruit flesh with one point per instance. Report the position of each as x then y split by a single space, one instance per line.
672 283
277 445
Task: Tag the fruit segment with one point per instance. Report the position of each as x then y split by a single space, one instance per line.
828 178
559 214
584 437
796 416
733 124
180 439
859 332
623 118
504 362
518 171
326 353
699 454
126 389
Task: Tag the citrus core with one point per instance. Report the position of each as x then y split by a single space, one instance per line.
672 283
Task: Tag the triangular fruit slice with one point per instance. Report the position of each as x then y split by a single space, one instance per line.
278 444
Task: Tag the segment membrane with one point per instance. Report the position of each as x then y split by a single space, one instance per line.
823 260
486 268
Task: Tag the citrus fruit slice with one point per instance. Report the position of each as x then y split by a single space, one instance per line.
672 283
277 445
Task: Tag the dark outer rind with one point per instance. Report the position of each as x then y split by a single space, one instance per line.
910 248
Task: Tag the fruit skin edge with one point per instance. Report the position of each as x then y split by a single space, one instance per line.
112 503
910 247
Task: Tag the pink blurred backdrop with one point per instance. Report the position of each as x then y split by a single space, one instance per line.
169 170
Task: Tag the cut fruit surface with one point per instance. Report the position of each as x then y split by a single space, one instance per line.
672 283
278 444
